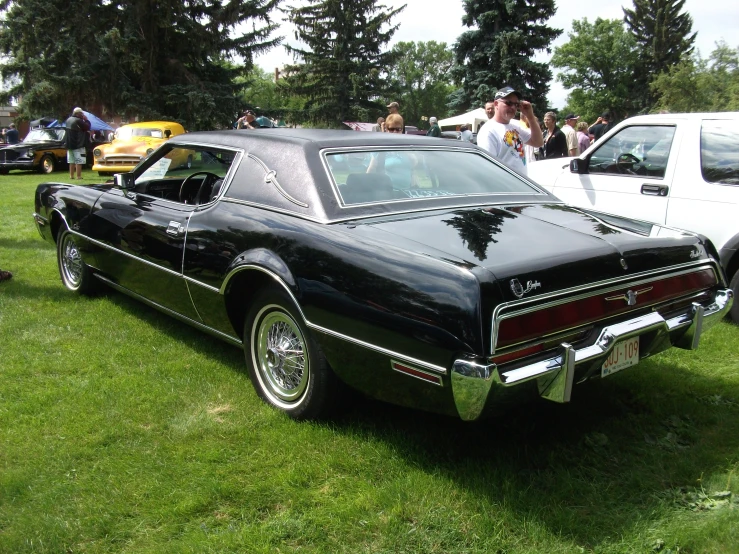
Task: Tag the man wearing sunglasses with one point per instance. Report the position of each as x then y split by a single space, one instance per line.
505 139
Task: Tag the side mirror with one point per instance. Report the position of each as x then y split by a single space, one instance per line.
578 166
124 181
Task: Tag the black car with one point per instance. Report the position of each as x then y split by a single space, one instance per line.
418 271
41 150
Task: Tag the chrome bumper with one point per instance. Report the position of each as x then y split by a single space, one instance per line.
472 380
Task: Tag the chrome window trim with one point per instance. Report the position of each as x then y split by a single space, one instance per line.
557 298
324 152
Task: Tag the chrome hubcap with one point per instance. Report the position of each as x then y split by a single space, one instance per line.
281 358
71 262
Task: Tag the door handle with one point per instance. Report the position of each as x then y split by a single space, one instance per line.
655 190
175 228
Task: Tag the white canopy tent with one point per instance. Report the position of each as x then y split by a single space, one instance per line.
474 119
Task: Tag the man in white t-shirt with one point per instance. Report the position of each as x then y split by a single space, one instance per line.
505 139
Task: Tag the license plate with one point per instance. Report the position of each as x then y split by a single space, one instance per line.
624 354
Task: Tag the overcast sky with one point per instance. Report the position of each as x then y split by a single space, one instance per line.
441 20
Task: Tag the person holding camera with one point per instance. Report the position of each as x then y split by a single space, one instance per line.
77 126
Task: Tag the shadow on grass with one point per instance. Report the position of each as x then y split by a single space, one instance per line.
590 470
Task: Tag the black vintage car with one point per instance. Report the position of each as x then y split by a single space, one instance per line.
418 271
41 150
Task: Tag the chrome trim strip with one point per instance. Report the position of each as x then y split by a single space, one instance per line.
176 315
145 262
40 220
324 330
537 303
378 349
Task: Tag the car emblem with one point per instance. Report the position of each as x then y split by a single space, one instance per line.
695 253
624 264
518 289
630 296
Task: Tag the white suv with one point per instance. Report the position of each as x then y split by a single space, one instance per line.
679 170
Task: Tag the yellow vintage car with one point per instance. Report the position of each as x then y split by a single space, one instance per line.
132 143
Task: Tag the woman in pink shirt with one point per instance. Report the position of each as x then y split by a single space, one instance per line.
583 138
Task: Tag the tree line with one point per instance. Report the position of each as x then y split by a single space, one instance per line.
193 61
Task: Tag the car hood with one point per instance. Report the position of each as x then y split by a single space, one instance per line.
23 146
546 172
138 145
556 245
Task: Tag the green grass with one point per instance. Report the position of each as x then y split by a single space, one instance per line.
122 430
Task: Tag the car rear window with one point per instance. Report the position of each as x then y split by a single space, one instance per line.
405 174
720 152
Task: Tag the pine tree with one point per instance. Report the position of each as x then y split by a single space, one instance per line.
663 36
165 59
343 63
500 51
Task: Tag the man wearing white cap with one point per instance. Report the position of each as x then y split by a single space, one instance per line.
434 130
505 139
77 126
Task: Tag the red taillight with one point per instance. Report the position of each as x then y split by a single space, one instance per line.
516 354
544 322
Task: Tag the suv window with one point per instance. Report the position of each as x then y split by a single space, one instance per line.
636 150
720 152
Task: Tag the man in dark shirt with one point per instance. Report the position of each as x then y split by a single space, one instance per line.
11 135
601 126
77 126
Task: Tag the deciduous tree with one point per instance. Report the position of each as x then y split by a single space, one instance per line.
598 63
421 76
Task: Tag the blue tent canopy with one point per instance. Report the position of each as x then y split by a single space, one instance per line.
96 124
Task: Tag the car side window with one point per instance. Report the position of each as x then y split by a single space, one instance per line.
720 152
641 150
187 175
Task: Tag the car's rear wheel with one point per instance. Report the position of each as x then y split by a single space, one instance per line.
48 164
735 307
287 367
75 274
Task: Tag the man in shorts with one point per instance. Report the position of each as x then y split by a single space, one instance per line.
77 126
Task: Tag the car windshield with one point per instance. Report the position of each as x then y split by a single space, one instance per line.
44 135
127 133
403 174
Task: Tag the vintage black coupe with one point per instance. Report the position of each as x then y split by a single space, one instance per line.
417 271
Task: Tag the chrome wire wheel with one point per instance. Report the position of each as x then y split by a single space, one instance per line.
71 263
280 356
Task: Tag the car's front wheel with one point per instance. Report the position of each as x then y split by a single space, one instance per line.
75 274
48 164
287 367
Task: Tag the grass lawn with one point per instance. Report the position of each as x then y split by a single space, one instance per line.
123 430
